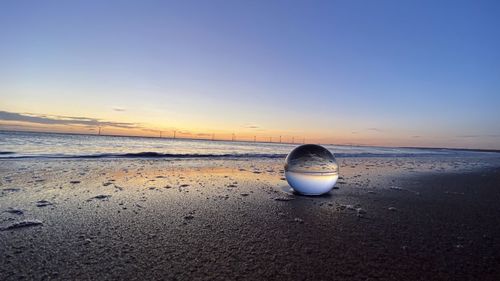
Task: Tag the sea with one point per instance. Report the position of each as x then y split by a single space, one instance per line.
19 145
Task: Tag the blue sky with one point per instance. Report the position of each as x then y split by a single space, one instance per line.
423 73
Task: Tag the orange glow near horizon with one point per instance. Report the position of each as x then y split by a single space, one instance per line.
243 134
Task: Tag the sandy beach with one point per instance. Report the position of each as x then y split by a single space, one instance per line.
233 219
250 140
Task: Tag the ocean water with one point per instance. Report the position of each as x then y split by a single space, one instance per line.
48 145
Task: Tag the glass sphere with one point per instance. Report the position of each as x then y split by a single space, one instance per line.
311 169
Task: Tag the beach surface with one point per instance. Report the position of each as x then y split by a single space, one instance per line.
237 219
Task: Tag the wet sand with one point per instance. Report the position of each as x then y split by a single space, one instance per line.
390 219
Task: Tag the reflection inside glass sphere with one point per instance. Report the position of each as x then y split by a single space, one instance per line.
311 169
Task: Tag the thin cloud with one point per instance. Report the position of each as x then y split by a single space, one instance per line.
62 120
375 130
203 134
119 109
251 126
150 130
478 136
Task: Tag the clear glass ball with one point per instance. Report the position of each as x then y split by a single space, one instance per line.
311 169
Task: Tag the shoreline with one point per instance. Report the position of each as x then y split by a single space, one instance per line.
136 219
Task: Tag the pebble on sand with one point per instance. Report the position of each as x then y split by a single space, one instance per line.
74 182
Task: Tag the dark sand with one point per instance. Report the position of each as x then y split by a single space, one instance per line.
400 219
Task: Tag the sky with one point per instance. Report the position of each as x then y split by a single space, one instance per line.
390 73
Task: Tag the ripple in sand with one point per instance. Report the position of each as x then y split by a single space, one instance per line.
21 224
454 193
102 197
283 199
11 189
404 189
14 211
43 203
